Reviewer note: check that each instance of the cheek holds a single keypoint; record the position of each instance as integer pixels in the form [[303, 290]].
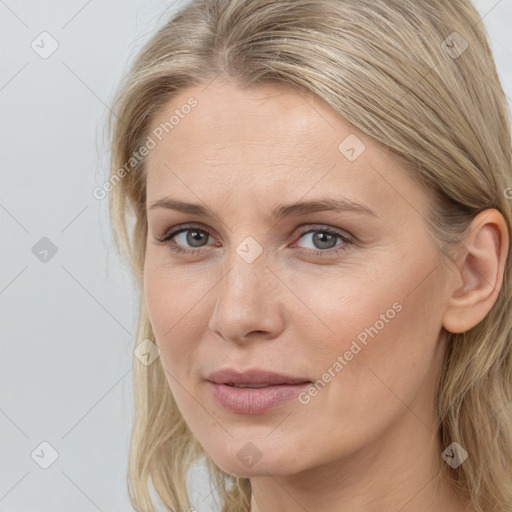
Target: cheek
[[172, 303], [174, 308], [342, 306], [384, 344]]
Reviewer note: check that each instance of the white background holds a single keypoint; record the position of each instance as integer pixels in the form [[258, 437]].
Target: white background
[[68, 324]]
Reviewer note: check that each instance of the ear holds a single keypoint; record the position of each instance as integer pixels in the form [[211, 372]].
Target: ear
[[477, 273]]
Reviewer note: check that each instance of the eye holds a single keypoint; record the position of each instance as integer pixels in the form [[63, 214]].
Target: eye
[[193, 236], [324, 240]]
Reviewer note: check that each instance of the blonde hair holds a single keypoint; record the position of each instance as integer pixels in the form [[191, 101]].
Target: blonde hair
[[397, 71]]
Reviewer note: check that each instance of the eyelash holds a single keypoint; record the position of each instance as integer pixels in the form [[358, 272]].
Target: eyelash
[[347, 241]]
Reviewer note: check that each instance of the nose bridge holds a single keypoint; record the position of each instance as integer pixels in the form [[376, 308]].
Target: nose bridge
[[248, 278], [244, 298]]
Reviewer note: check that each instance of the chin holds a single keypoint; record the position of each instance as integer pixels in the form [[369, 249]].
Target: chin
[[237, 469], [249, 461]]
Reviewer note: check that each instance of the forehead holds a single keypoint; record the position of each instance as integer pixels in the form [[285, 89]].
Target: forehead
[[261, 120], [264, 142]]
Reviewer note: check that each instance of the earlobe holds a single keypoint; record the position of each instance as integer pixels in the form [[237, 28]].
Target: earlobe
[[477, 277]]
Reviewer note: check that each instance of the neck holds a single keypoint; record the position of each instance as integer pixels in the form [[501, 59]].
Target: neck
[[400, 471]]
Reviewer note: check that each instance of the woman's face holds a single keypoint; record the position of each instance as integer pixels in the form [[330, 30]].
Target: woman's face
[[308, 257]]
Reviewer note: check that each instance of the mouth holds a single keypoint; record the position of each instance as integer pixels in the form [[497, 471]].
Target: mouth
[[254, 378], [254, 391], [252, 386]]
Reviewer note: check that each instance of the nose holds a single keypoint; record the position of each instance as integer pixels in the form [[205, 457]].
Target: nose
[[249, 302]]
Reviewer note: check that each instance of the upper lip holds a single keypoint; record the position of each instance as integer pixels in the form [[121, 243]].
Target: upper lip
[[253, 377]]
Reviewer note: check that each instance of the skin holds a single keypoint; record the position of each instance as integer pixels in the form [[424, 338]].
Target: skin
[[367, 441]]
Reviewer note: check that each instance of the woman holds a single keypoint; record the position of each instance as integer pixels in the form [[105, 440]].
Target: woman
[[320, 192]]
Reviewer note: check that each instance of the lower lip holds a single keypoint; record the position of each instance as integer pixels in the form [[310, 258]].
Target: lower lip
[[255, 400]]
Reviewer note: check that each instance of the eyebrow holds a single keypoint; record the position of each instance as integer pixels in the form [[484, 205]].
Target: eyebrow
[[282, 210]]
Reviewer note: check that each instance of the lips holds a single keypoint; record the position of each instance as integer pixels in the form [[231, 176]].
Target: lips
[[253, 378], [253, 391]]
